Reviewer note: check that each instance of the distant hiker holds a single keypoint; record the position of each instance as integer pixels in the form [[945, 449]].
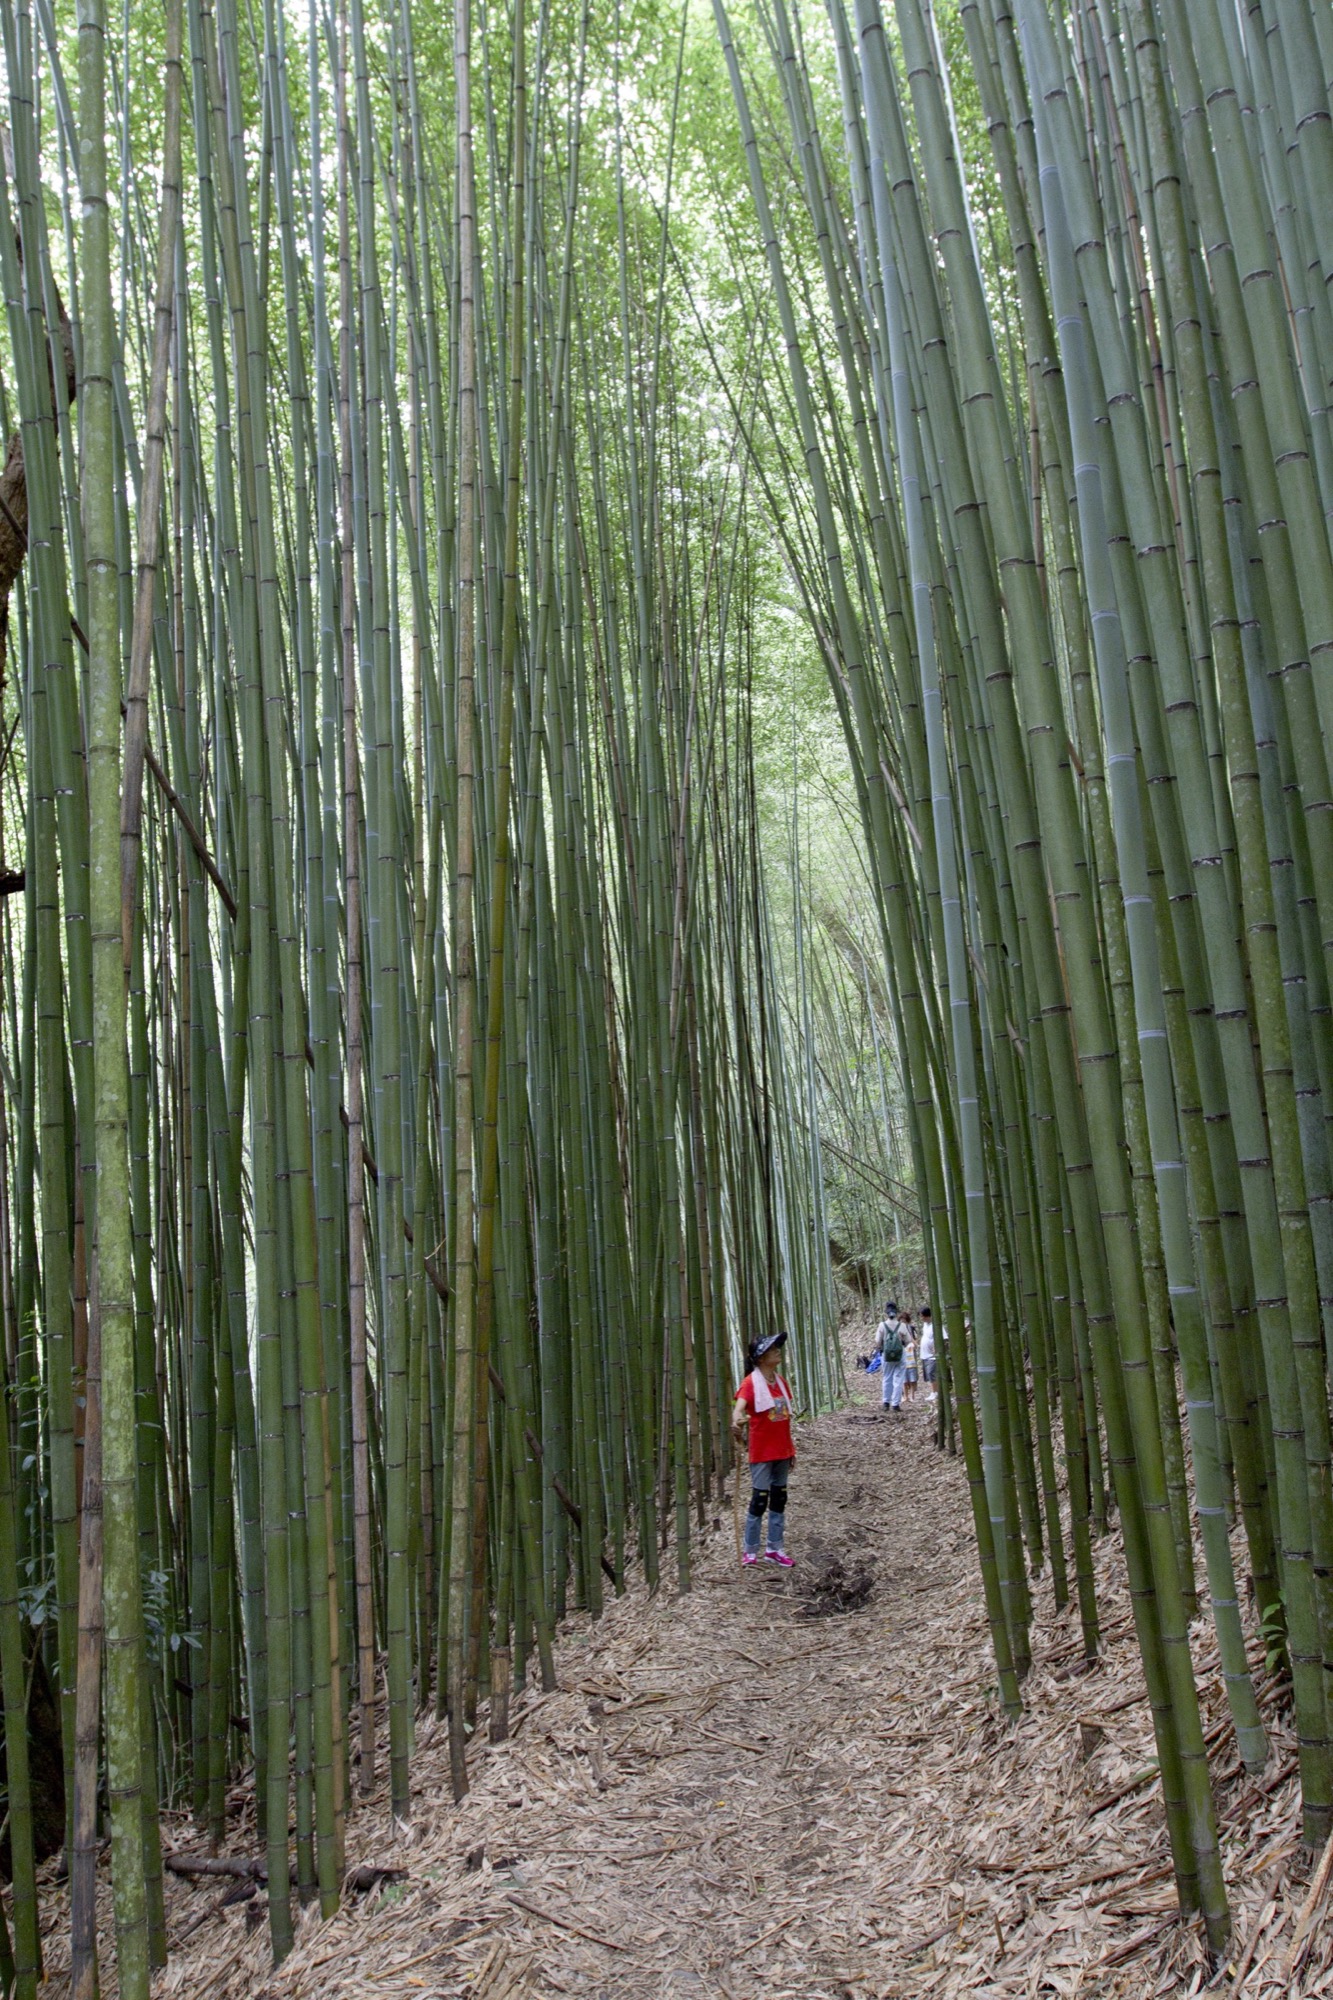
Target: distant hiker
[[764, 1402], [927, 1350], [909, 1364], [906, 1333], [889, 1346]]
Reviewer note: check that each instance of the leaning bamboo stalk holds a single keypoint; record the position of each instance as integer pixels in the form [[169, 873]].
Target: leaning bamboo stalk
[[112, 1281], [500, 842], [151, 486], [14, 1684], [958, 976], [356, 1226], [87, 1713], [463, 1302]]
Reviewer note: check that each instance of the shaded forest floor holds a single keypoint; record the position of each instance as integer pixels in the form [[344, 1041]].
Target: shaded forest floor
[[745, 1793]]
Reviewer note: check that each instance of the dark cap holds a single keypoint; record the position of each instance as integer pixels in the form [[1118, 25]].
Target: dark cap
[[767, 1341]]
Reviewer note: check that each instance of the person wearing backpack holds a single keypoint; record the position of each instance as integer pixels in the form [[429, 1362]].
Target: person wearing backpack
[[889, 1346]]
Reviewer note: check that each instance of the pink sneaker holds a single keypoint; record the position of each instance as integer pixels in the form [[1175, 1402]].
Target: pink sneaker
[[780, 1557], [748, 1561]]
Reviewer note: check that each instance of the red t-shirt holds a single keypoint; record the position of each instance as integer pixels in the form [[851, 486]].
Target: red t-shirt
[[770, 1430]]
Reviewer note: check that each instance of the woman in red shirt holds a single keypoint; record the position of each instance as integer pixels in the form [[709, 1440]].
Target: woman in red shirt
[[764, 1401]]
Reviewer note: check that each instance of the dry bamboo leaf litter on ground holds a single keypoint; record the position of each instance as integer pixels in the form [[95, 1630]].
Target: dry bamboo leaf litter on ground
[[853, 1817]]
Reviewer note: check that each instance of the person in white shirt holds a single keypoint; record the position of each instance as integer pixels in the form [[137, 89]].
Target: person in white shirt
[[926, 1348]]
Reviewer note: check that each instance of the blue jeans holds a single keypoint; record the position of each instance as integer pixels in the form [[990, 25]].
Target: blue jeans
[[895, 1374], [768, 1493]]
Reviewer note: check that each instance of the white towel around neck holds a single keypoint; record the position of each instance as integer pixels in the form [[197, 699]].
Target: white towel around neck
[[764, 1398]]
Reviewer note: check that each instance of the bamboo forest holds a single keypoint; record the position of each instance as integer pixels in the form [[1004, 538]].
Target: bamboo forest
[[666, 668]]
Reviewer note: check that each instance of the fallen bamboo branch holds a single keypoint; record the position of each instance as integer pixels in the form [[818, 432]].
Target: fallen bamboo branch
[[1132, 1785], [239, 1892], [253, 1868], [1252, 1945], [1300, 1941], [771, 1932], [565, 1923], [216, 1864]]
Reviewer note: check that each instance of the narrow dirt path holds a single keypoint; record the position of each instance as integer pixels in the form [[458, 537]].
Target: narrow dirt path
[[734, 1793]]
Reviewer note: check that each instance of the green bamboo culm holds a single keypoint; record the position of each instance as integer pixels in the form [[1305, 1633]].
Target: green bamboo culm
[[112, 1299]]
